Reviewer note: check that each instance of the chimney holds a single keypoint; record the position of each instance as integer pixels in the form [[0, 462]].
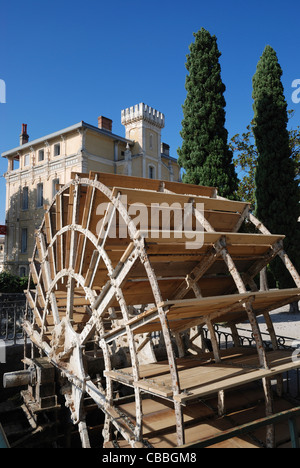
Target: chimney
[[24, 137], [104, 123], [165, 149]]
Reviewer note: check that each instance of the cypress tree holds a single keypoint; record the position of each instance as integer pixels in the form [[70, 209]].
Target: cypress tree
[[276, 193], [205, 154]]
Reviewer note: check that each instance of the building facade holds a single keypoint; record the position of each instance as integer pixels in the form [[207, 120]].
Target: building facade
[[37, 168], [2, 245]]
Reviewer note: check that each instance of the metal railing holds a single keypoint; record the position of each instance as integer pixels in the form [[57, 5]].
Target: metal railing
[[12, 309], [225, 339]]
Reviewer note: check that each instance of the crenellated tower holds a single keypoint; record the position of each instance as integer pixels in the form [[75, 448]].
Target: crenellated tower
[[143, 125]]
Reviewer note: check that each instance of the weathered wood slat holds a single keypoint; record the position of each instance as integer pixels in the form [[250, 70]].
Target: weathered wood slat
[[197, 381], [148, 197], [111, 180]]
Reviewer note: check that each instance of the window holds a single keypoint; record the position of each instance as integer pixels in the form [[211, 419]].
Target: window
[[24, 240], [26, 159], [25, 198], [39, 196], [151, 172], [41, 155], [55, 182], [23, 271], [57, 149]]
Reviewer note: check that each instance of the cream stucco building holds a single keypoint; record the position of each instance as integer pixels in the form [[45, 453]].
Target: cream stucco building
[[36, 168]]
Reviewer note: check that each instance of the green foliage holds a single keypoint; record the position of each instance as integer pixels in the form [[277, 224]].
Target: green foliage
[[205, 154], [10, 283], [245, 159], [294, 137], [277, 193]]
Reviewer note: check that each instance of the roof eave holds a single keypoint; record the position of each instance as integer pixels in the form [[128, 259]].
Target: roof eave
[[77, 126]]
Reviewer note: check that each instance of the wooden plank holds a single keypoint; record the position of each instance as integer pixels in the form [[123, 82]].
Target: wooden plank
[[156, 248], [161, 369], [69, 222], [207, 379], [152, 387], [226, 307], [48, 227], [224, 311], [100, 204], [87, 206], [112, 180], [36, 311], [206, 428], [179, 237], [79, 252], [245, 251], [33, 272], [59, 225], [226, 378], [156, 415], [173, 211], [77, 301], [91, 267], [259, 296], [222, 221], [148, 196], [289, 414], [195, 304], [76, 317], [237, 238], [159, 415]]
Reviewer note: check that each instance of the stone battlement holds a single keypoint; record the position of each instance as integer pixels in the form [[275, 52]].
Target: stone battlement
[[142, 112]]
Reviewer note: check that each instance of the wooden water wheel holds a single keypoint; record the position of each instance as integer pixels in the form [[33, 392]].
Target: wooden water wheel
[[122, 263]]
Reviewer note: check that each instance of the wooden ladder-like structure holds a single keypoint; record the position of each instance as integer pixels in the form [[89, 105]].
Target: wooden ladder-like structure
[[122, 262]]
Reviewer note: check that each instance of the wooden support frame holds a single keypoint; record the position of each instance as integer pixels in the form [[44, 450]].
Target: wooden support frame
[[72, 256], [282, 254]]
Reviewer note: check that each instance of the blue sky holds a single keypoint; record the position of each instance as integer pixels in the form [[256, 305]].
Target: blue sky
[[66, 61]]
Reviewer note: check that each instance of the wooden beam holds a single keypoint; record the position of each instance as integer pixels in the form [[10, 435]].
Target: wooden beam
[[251, 427]]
